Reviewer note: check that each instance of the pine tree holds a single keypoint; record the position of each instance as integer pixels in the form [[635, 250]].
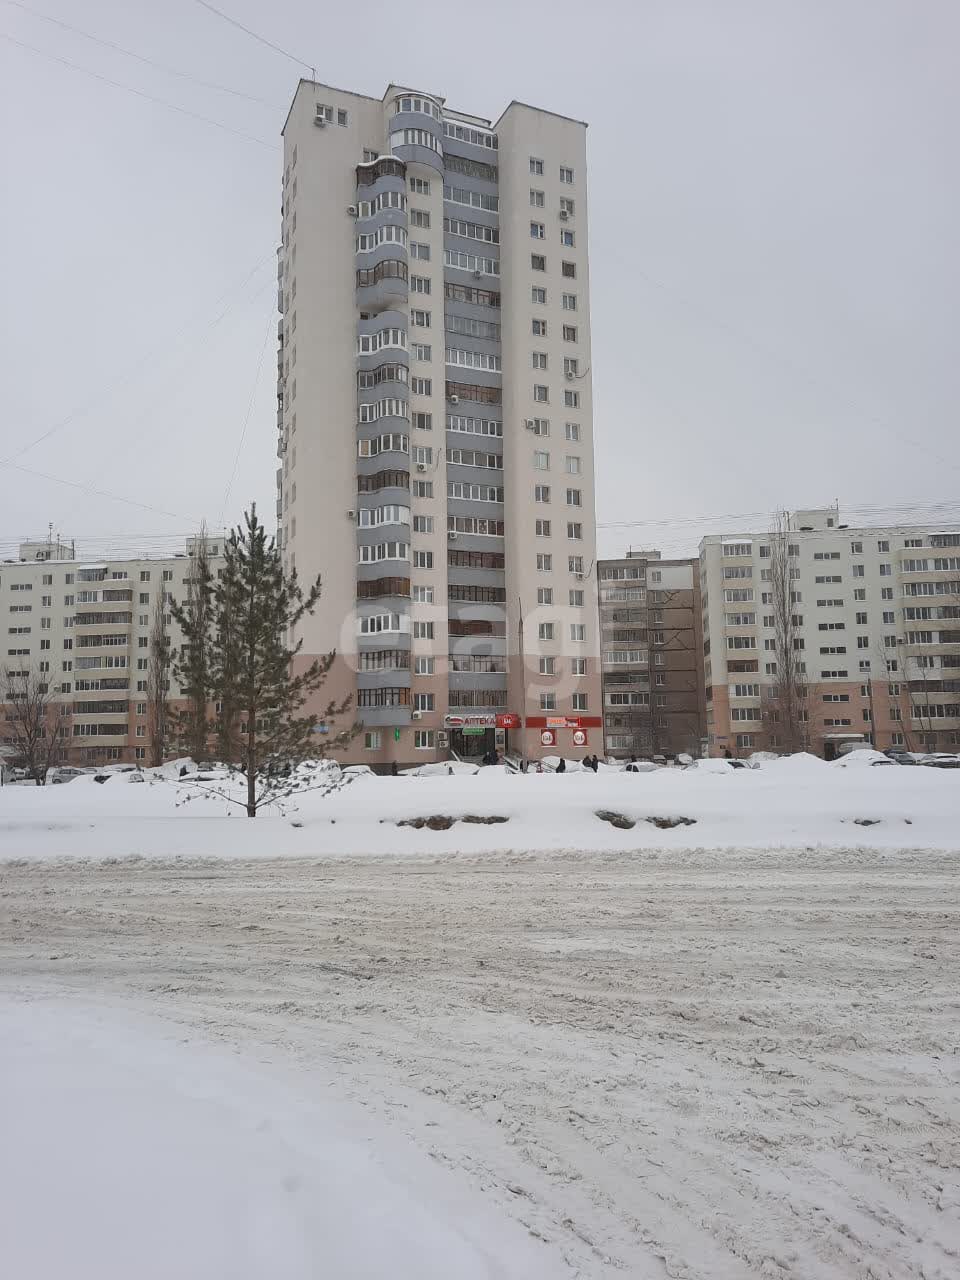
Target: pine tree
[[257, 605], [192, 665], [158, 680]]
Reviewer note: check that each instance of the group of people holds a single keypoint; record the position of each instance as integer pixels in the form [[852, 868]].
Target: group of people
[[588, 762]]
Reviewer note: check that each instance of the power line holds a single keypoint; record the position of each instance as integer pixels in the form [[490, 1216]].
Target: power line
[[129, 53], [679, 522], [262, 39], [149, 97], [99, 493]]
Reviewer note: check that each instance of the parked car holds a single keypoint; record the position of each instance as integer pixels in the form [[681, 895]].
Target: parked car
[[900, 757], [63, 773], [941, 760]]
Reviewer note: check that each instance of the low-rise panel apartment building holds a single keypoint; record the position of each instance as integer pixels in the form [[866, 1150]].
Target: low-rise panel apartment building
[[873, 629], [651, 641], [83, 627]]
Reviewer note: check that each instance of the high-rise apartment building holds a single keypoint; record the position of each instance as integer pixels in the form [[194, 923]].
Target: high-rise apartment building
[[82, 627], [651, 642], [435, 419], [869, 617]]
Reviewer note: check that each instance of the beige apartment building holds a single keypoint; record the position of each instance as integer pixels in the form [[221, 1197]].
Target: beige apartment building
[[434, 419], [874, 630], [83, 627], [651, 643]]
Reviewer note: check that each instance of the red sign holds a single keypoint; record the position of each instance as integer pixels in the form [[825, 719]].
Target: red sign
[[483, 720], [547, 738], [564, 722], [508, 720], [579, 737]]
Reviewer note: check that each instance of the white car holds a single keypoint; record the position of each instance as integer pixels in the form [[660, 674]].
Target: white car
[[63, 773]]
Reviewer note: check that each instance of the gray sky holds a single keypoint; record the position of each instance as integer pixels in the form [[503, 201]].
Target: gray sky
[[775, 274]]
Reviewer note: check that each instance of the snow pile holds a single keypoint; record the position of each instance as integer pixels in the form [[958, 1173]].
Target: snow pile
[[131, 1152], [793, 802]]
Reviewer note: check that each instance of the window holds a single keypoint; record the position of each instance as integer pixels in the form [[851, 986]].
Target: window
[[575, 565], [571, 399], [422, 421], [545, 562], [544, 595], [541, 493], [541, 460], [421, 386], [420, 319], [423, 524], [575, 530], [423, 631], [539, 328], [423, 488], [576, 599], [538, 262], [569, 333], [419, 250], [423, 701], [423, 559], [539, 359], [419, 284], [420, 218], [572, 432], [566, 206], [858, 571], [578, 632], [423, 739], [574, 498], [580, 702], [566, 175], [568, 269], [536, 166], [538, 231], [886, 570], [567, 238], [569, 302], [371, 741], [542, 528], [548, 702], [883, 545], [538, 295], [539, 426], [545, 631], [419, 186]]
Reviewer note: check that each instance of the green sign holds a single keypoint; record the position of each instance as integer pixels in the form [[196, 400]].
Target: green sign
[[474, 728], [396, 735]]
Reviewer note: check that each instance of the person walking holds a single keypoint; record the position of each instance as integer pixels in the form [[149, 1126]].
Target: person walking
[[562, 766], [394, 771]]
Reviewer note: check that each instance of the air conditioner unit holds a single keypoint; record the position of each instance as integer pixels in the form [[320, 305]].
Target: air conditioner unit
[[579, 576], [421, 466], [351, 515], [478, 275], [529, 424], [454, 399], [451, 535], [352, 210], [569, 375], [564, 215], [320, 122], [416, 715]]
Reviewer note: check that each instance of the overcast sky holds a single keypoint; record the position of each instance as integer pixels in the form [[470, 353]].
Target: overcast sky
[[774, 199]]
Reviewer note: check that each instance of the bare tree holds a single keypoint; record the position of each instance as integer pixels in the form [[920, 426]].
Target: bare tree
[[787, 709], [33, 721], [158, 681]]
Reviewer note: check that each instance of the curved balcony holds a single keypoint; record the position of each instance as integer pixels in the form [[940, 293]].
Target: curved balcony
[[383, 285], [374, 171]]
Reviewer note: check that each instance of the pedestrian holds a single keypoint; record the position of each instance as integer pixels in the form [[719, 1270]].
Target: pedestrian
[[595, 763], [562, 766], [727, 753], [394, 771]]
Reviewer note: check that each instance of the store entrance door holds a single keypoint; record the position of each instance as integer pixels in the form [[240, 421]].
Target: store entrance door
[[470, 745]]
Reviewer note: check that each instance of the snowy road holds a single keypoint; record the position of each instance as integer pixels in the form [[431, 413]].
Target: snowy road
[[709, 1066]]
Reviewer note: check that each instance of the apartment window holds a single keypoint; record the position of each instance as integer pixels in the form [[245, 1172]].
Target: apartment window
[[575, 564], [419, 284], [423, 739], [548, 702], [536, 166], [545, 631], [423, 488], [569, 333], [857, 571], [541, 393], [424, 666], [420, 319], [578, 632], [544, 559], [538, 231], [574, 498], [423, 630], [420, 218], [539, 359], [575, 530], [860, 593], [580, 702], [567, 239], [572, 432], [423, 524], [541, 493], [576, 599], [886, 570], [420, 251], [419, 186], [371, 741], [566, 175], [422, 421], [883, 545], [578, 666], [423, 559], [541, 460], [539, 426], [539, 329], [886, 593], [421, 386], [569, 302], [548, 666], [567, 206], [423, 701], [568, 269], [538, 262], [544, 594], [538, 295], [536, 198], [542, 528]]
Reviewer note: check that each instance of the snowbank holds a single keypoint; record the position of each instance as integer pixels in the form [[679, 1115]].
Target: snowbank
[[131, 1152], [793, 802]]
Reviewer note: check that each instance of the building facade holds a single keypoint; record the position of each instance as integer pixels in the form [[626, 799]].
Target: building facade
[[872, 621], [651, 642], [435, 419], [83, 628]]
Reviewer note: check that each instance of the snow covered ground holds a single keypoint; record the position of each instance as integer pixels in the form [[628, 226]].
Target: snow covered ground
[[710, 1064], [794, 802]]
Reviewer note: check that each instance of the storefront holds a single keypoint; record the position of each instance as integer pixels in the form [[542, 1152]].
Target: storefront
[[474, 736]]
